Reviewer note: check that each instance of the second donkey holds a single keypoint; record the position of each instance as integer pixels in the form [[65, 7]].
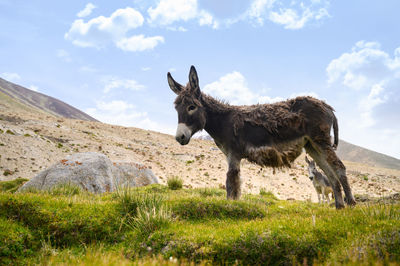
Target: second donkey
[[321, 183]]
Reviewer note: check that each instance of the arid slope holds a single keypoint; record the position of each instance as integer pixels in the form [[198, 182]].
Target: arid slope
[[30, 142]]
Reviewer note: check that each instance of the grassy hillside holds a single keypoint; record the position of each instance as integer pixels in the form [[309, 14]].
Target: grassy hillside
[[158, 225]]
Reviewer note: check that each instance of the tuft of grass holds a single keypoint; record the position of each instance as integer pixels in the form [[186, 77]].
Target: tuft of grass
[[59, 145], [131, 200], [175, 183], [145, 212], [67, 189], [27, 135], [10, 132], [211, 192], [148, 220], [13, 185], [268, 194]]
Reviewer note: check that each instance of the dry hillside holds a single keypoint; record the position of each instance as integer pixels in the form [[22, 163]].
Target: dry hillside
[[30, 142], [34, 134]]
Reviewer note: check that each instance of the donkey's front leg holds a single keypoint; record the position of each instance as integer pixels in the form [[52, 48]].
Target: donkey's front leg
[[233, 181]]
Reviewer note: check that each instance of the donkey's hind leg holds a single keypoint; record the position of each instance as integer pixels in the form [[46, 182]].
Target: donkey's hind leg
[[233, 181], [340, 170], [320, 159]]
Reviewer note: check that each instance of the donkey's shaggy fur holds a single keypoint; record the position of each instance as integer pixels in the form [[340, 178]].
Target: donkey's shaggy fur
[[266, 134]]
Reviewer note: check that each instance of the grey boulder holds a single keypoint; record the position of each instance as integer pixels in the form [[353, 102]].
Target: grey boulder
[[92, 172]]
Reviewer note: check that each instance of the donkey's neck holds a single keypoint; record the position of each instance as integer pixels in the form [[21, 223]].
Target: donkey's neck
[[217, 117]]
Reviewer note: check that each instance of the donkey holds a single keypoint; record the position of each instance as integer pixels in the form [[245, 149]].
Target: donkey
[[266, 134], [320, 182]]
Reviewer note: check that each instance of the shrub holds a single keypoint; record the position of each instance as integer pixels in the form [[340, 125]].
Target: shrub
[[175, 183], [7, 172]]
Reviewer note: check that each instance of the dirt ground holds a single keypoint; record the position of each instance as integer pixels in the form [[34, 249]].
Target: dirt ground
[[31, 142]]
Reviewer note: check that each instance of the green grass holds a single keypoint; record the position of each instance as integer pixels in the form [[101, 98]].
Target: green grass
[[155, 225], [12, 186]]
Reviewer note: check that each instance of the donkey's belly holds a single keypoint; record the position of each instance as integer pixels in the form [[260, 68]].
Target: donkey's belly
[[278, 155]]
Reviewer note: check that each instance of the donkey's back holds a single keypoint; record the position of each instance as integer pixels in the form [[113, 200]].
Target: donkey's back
[[274, 134]]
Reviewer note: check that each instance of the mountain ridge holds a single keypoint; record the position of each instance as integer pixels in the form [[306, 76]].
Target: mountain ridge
[[22, 98]]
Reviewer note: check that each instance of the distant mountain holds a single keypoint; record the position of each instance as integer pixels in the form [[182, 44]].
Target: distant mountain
[[16, 96], [350, 152]]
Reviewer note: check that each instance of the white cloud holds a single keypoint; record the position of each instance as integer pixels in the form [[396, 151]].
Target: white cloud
[[118, 83], [33, 88], [86, 11], [290, 18], [119, 112], [180, 28], [146, 68], [10, 76], [139, 43], [61, 53], [370, 79], [258, 9], [101, 31], [169, 11], [233, 88], [295, 15], [369, 71]]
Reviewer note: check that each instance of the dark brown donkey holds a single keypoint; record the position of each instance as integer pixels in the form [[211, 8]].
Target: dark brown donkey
[[265, 134]]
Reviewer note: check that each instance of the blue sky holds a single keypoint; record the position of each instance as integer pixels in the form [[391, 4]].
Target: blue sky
[[110, 58]]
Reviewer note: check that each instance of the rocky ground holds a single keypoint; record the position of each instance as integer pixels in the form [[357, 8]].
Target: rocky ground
[[31, 142]]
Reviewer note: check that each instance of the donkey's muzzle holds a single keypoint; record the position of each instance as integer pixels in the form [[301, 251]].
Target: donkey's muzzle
[[183, 134]]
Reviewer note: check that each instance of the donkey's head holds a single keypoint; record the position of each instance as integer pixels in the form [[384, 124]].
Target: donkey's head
[[191, 113], [312, 169]]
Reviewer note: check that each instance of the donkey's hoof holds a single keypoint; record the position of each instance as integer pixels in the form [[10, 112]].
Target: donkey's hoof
[[339, 206]]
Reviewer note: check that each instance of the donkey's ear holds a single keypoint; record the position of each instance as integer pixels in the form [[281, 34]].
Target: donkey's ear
[[175, 86], [194, 81]]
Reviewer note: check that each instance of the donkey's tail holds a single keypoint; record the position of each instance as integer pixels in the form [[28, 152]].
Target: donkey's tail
[[335, 132]]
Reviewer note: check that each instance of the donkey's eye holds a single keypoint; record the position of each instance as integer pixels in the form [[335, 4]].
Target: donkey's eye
[[191, 108]]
